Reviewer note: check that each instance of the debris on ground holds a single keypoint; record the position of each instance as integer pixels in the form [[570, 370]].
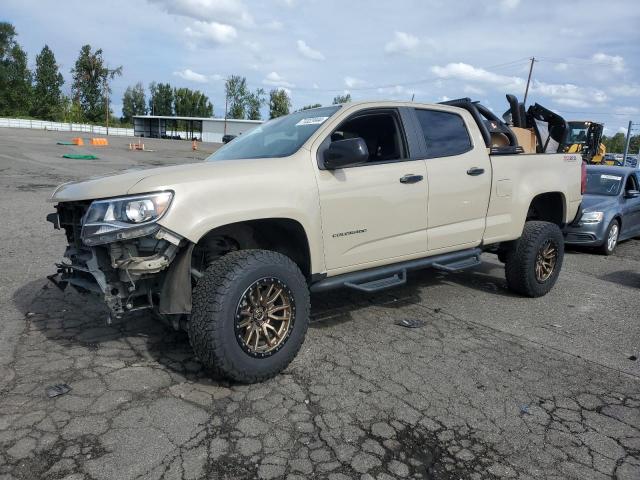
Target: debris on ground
[[75, 156], [411, 323], [57, 390]]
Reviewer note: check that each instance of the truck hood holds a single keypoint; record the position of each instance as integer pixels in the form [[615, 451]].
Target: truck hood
[[123, 183]]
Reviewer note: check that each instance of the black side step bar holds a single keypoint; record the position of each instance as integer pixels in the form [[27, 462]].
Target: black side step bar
[[387, 276]]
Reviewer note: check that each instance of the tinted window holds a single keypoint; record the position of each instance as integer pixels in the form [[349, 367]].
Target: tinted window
[[280, 137], [445, 133]]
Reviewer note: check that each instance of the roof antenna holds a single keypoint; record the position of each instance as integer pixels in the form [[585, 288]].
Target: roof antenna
[[413, 96]]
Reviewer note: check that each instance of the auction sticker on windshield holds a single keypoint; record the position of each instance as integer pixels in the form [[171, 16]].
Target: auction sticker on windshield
[[610, 177], [311, 121]]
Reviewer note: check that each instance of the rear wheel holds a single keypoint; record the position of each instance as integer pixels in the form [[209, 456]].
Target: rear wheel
[[534, 261], [250, 315], [611, 238]]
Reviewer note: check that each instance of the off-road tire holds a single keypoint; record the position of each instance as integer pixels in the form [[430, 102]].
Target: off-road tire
[[604, 248], [215, 300], [521, 259]]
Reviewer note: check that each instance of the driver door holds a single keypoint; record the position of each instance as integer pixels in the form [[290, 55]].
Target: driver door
[[631, 208], [375, 212]]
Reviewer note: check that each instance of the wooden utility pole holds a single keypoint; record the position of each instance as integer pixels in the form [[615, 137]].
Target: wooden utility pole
[[526, 92]]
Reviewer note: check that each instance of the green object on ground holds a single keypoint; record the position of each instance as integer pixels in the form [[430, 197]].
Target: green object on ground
[[66, 143], [79, 157]]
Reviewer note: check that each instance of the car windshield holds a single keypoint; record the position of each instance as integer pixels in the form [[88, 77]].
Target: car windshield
[[280, 137], [578, 134], [603, 184]]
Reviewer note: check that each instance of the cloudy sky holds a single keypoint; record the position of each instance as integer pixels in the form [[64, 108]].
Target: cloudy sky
[[588, 50]]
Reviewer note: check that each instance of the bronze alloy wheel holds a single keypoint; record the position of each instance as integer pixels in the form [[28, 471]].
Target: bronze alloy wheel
[[546, 260], [264, 317]]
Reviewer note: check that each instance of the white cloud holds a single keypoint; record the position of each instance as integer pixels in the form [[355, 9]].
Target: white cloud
[[628, 110], [352, 82], [191, 76], [561, 67], [274, 25], [626, 90], [616, 62], [221, 11], [444, 98], [470, 89], [569, 94], [212, 32], [309, 52], [469, 73], [563, 94], [276, 80], [402, 43], [509, 4]]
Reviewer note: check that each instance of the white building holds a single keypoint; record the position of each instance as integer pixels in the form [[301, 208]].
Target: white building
[[204, 129]]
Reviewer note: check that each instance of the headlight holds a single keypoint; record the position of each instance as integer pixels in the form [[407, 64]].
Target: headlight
[[592, 217], [124, 217]]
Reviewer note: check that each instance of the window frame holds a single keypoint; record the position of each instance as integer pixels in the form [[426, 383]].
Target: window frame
[[426, 155], [402, 123]]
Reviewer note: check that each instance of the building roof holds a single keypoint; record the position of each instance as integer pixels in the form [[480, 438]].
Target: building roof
[[202, 119]]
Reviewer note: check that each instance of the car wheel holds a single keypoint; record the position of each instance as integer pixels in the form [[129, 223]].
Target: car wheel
[[611, 238], [250, 315], [533, 263]]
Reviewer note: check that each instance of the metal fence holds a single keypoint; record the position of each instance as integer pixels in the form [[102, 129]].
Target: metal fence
[[64, 127]]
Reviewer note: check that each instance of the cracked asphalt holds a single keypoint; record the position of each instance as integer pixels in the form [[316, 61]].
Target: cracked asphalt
[[493, 385]]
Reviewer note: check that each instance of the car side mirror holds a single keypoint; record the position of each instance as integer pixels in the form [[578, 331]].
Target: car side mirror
[[346, 153], [631, 194]]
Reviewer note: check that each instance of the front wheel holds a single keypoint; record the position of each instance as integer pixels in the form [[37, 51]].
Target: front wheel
[[535, 259], [611, 238], [250, 315]]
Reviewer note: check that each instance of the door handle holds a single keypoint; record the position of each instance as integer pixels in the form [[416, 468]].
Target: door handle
[[475, 171], [411, 178]]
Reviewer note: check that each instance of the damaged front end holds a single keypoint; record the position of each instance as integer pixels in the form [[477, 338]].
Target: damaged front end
[[118, 251]]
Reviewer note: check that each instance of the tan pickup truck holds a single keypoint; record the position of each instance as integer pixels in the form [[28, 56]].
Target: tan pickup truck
[[346, 196]]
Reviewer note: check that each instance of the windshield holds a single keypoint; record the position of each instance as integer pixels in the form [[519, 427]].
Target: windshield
[[603, 184], [578, 133], [280, 137]]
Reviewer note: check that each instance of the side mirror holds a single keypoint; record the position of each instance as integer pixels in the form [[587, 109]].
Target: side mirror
[[345, 153], [631, 194]]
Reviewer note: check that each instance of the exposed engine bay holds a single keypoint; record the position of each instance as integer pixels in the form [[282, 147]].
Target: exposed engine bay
[[129, 274]]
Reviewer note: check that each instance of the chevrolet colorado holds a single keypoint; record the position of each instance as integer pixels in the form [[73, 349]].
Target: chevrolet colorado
[[351, 195]]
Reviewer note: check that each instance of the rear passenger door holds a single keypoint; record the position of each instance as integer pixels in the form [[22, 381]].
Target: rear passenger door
[[459, 178]]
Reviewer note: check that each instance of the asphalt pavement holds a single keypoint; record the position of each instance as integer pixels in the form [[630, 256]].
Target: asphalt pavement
[[492, 386]]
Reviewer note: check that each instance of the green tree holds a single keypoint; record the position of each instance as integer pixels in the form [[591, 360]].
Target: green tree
[[279, 103], [616, 143], [161, 100], [191, 103], [91, 83], [133, 102], [236, 92], [342, 98], [255, 101], [47, 96], [308, 107], [15, 76]]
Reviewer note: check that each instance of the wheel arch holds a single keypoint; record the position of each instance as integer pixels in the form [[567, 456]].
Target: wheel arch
[[279, 234], [548, 207]]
